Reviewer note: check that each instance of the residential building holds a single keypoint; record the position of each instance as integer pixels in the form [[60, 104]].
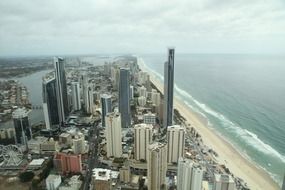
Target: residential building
[[106, 105], [175, 143], [53, 182], [124, 97], [223, 182], [142, 140]]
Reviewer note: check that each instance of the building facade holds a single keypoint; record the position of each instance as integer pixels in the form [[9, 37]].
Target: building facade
[[149, 118], [53, 182], [175, 143], [106, 105], [114, 134], [50, 104], [23, 132], [157, 166], [142, 140], [124, 97], [61, 89], [189, 175], [75, 96], [168, 89], [67, 163], [223, 182]]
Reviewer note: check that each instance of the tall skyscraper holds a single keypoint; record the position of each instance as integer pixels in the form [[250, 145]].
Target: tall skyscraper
[[156, 166], [61, 89], [175, 143], [189, 175], [22, 126], [114, 134], [85, 84], [50, 106], [90, 100], [142, 139], [106, 104], [168, 89], [124, 97], [75, 94]]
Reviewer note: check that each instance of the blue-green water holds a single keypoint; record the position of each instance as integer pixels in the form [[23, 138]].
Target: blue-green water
[[242, 96]]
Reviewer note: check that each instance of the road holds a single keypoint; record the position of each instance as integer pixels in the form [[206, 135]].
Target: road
[[93, 155]]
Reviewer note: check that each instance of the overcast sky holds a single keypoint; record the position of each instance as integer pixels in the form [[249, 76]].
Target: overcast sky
[[39, 27]]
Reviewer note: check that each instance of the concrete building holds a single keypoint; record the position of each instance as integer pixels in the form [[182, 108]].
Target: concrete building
[[113, 134], [67, 163], [189, 175], [175, 143], [157, 166], [74, 183], [78, 145], [142, 101], [49, 146], [223, 182], [75, 94], [65, 138], [50, 105], [168, 89], [155, 97], [61, 90], [53, 182], [106, 105], [101, 179], [22, 126], [149, 118], [124, 97], [142, 140], [131, 92], [142, 91], [90, 100], [125, 174]]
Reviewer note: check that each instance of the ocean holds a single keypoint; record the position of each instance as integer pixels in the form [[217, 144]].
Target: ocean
[[241, 96]]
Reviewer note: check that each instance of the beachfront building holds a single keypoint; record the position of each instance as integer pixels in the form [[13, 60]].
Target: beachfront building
[[50, 108], [61, 89], [175, 143], [124, 97], [113, 134], [156, 166], [75, 96], [23, 131], [142, 139], [223, 182], [53, 182], [155, 97], [168, 89], [189, 175], [106, 105]]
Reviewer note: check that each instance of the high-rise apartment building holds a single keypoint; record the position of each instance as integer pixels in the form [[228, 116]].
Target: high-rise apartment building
[[124, 97], [50, 105], [22, 126], [75, 95], [156, 166], [189, 175], [113, 134], [175, 143], [106, 105], [168, 89], [223, 182], [142, 138], [61, 89]]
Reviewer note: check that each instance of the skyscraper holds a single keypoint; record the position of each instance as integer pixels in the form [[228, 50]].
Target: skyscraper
[[113, 134], [124, 97], [76, 102], [175, 143], [156, 166], [50, 108], [189, 175], [106, 104], [168, 89], [22, 126], [61, 89], [142, 139]]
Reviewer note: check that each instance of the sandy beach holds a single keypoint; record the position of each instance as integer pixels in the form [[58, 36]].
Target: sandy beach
[[256, 178]]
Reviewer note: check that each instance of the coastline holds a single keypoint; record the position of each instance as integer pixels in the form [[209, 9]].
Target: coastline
[[255, 177]]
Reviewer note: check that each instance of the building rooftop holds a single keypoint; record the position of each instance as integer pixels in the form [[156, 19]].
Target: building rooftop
[[224, 178], [37, 162], [20, 113]]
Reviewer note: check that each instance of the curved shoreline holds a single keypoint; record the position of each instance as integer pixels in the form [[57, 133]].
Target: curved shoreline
[[242, 167]]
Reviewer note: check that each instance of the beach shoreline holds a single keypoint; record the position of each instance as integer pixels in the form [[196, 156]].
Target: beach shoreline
[[241, 167]]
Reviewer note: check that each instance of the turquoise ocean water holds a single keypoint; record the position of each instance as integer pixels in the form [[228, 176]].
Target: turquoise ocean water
[[242, 97]]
